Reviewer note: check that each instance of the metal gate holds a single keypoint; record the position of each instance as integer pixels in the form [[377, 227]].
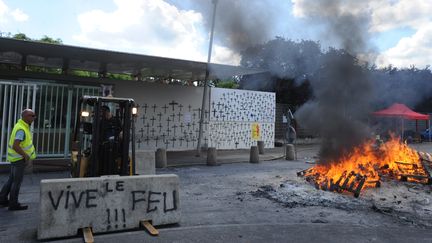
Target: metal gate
[[56, 106], [14, 97]]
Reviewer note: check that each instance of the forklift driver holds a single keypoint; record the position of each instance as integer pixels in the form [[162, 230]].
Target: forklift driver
[[111, 126], [111, 142]]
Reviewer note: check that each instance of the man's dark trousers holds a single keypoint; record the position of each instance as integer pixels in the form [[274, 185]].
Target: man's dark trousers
[[13, 184]]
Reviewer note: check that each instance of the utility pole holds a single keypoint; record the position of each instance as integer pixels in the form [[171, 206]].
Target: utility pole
[[200, 133]]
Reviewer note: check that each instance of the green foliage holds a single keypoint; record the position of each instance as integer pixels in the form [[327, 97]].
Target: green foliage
[[47, 39], [44, 39], [227, 84], [21, 36], [84, 73], [120, 76]]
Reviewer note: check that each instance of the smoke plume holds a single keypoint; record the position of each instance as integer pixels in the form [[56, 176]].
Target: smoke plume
[[241, 23], [341, 89]]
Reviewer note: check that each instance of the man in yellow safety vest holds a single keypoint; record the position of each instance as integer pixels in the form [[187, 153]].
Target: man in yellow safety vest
[[20, 152]]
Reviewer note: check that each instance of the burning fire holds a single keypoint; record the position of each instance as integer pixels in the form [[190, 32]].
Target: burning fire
[[367, 165]]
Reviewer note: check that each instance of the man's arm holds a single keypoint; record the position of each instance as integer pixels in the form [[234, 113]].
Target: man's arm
[[16, 146]]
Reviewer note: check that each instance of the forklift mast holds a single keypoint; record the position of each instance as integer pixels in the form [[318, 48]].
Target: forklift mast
[[101, 142]]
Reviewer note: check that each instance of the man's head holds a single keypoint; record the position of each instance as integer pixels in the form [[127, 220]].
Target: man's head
[[106, 112], [28, 116]]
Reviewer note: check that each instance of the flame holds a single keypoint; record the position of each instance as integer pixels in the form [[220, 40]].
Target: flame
[[370, 162]]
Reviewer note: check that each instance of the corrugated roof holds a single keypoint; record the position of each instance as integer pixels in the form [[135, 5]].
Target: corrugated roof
[[67, 57]]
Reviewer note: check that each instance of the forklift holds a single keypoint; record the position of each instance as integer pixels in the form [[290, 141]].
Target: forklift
[[103, 142]]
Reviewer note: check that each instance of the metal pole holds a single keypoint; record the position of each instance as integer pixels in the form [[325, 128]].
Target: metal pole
[[198, 152], [132, 165]]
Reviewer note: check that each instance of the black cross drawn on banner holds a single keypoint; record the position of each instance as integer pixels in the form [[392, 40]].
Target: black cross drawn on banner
[[154, 108], [166, 144], [218, 105], [168, 121], [143, 118], [153, 132], [147, 126], [159, 115], [181, 141], [199, 112], [179, 116], [168, 131], [190, 107], [181, 127], [175, 127], [145, 107], [156, 140], [180, 106], [147, 139], [173, 103], [160, 127], [173, 141], [142, 132], [153, 119], [173, 116], [165, 107]]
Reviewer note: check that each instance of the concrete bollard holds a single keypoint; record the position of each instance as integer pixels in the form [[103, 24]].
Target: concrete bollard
[[211, 156], [289, 152], [254, 155], [161, 158], [145, 162], [260, 147]]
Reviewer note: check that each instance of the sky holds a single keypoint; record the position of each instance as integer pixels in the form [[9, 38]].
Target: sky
[[396, 32]]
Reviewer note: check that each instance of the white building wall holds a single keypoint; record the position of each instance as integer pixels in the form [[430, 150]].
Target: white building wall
[[169, 116], [234, 113]]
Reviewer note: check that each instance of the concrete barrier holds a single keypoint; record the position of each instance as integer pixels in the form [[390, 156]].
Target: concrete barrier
[[254, 156], [145, 162], [211, 156], [161, 158], [108, 203]]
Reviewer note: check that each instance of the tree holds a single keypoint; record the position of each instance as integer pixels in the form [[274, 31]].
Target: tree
[[227, 84], [21, 36], [297, 70], [47, 39]]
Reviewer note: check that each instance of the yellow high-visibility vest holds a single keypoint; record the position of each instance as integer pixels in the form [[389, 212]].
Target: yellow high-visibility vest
[[26, 145]]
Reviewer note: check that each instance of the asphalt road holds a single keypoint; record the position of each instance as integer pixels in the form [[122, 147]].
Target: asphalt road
[[218, 205]]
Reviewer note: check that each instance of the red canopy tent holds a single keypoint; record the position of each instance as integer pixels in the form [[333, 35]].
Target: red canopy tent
[[401, 111]]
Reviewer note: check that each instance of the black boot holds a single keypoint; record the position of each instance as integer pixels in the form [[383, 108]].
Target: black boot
[[4, 203], [17, 207]]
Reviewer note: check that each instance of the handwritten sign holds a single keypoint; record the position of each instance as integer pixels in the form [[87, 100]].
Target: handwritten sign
[[107, 203], [255, 130]]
